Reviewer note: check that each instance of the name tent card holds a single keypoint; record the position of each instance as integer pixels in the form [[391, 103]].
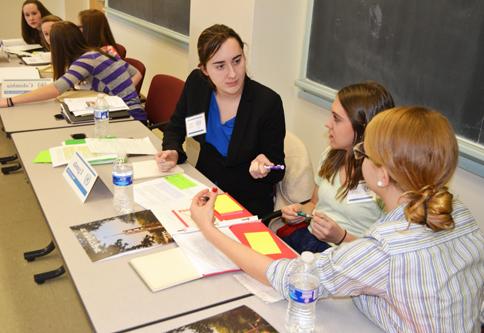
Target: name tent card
[[14, 87], [80, 176]]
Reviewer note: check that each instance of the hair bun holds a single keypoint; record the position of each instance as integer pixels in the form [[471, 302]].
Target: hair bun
[[430, 206]]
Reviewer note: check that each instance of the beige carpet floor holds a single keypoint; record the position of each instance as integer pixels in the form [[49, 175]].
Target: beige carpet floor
[[24, 305]]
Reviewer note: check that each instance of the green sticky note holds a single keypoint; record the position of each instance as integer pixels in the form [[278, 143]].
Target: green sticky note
[[75, 141], [43, 157], [180, 181], [262, 242]]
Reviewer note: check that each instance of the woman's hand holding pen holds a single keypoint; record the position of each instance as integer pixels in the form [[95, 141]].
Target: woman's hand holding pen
[[326, 229], [258, 166], [291, 214], [201, 209], [166, 160]]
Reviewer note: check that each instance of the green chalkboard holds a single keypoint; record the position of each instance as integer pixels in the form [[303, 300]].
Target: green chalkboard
[[170, 14], [425, 52]]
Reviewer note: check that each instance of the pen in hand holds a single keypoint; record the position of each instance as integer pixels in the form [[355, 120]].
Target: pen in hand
[[275, 167], [303, 214]]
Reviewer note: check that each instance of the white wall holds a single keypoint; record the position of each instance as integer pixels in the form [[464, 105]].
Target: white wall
[[161, 55]]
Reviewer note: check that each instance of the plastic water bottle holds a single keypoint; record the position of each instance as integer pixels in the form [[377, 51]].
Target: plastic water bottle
[[303, 294], [101, 117], [123, 200]]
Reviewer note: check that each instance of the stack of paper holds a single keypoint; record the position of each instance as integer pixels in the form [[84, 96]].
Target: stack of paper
[[19, 73], [37, 58], [195, 258], [142, 146], [150, 169], [61, 155], [85, 105], [18, 46]]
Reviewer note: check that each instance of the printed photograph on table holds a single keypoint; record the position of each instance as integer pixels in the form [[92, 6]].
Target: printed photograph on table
[[122, 234], [239, 320]]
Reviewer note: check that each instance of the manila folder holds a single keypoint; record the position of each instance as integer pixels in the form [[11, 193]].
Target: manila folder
[[165, 269]]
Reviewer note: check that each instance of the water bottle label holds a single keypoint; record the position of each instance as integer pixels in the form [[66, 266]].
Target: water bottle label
[[303, 296], [122, 180], [101, 114]]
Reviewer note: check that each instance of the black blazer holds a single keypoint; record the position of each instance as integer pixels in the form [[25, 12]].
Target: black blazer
[[259, 129]]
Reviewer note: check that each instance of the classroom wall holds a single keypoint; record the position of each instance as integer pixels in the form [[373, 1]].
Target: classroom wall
[[161, 55], [274, 33]]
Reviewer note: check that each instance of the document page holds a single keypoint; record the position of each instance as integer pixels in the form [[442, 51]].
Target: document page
[[23, 73], [205, 257], [161, 193], [142, 146], [150, 169], [61, 155]]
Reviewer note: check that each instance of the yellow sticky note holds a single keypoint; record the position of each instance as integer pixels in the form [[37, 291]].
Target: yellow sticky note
[[225, 204], [262, 242]]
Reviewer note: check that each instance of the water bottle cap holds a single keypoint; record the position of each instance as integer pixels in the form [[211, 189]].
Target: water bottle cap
[[307, 257]]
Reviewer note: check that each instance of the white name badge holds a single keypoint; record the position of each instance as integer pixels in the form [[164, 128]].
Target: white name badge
[[13, 87], [360, 194], [196, 125], [80, 176]]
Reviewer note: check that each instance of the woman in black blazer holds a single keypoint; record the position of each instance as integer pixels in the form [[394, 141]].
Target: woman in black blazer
[[244, 121]]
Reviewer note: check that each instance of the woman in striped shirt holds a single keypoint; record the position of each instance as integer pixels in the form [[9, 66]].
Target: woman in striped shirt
[[418, 269], [74, 62], [95, 28]]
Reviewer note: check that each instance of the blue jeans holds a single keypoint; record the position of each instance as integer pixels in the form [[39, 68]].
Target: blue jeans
[[302, 240]]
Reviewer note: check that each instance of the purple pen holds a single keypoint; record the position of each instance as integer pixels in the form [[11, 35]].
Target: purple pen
[[275, 167]]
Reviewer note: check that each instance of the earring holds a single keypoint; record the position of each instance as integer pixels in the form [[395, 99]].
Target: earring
[[379, 183]]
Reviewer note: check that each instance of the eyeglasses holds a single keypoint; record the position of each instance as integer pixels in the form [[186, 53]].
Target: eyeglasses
[[359, 151]]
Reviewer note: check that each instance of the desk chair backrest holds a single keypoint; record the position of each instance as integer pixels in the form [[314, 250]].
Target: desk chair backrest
[[121, 50], [163, 95], [298, 182], [141, 68]]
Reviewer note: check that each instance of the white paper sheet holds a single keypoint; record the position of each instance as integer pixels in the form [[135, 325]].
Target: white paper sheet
[[84, 105], [22, 73], [205, 257], [142, 146], [150, 169], [61, 155], [161, 194]]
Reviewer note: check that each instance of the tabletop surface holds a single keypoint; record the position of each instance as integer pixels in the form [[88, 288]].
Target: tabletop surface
[[114, 296]]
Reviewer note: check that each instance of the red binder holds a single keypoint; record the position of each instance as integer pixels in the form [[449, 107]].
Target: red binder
[[241, 230]]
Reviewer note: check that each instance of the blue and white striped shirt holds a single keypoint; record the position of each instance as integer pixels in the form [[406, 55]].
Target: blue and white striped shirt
[[104, 74], [406, 278]]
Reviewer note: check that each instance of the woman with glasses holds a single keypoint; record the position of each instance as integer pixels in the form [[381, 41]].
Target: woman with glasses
[[342, 208], [420, 268]]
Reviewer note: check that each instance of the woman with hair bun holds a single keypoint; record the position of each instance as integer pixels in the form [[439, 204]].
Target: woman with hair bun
[[420, 268]]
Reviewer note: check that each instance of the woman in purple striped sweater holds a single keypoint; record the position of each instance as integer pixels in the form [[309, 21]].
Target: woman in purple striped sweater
[[75, 62]]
